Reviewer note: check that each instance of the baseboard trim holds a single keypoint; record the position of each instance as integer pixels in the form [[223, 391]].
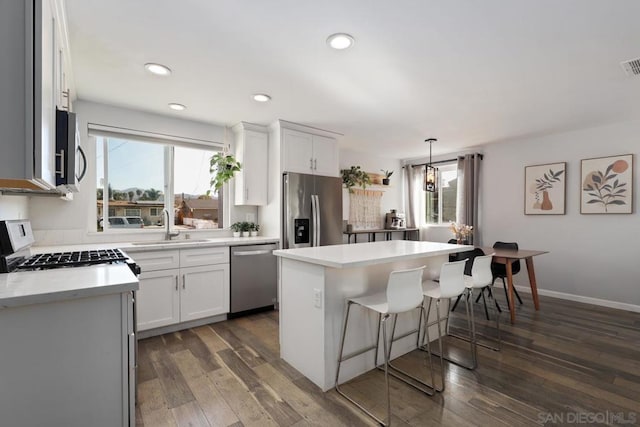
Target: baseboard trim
[[580, 298], [180, 326]]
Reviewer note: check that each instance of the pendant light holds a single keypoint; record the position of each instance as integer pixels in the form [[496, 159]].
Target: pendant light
[[431, 173]]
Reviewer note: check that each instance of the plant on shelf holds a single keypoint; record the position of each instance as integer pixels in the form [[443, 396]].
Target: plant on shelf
[[253, 229], [387, 175], [222, 166], [355, 176]]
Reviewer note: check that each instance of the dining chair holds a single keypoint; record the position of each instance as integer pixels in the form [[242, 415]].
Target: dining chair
[[500, 270], [403, 294]]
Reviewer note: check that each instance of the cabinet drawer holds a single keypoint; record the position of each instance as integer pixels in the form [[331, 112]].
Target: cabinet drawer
[[204, 256], [157, 260]]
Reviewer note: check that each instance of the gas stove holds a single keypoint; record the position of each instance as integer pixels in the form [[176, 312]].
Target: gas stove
[[16, 238]]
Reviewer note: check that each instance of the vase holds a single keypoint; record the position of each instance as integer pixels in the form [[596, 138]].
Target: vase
[[236, 234], [254, 234], [245, 234], [385, 181], [546, 202]]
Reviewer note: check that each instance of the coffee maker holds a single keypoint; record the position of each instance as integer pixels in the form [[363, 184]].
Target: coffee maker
[[394, 220]]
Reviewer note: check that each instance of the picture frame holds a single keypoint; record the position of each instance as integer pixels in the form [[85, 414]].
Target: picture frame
[[606, 185], [545, 188]]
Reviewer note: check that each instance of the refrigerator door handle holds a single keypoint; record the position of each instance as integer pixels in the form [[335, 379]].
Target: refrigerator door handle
[[314, 220], [318, 226]]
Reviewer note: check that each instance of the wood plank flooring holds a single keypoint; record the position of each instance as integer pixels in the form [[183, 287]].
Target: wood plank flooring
[[569, 363]]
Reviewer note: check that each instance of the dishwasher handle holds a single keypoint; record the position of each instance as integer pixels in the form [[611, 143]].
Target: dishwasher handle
[[249, 253]]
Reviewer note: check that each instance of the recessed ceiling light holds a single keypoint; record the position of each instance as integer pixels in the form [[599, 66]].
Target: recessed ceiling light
[[340, 41], [157, 69], [177, 107], [261, 97]]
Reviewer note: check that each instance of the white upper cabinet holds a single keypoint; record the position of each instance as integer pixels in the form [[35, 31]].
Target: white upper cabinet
[[309, 153], [252, 149], [325, 156], [30, 87]]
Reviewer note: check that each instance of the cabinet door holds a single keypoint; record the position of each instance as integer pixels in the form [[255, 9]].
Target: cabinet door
[[158, 299], [44, 81], [297, 151], [251, 182], [325, 156], [205, 291]]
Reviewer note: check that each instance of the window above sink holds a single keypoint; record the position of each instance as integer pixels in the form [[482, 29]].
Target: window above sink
[[138, 179]]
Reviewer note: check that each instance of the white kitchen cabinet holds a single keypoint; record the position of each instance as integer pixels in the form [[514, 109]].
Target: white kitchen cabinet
[[67, 363], [32, 38], [325, 156], [309, 153], [252, 147], [205, 291], [158, 299], [181, 285]]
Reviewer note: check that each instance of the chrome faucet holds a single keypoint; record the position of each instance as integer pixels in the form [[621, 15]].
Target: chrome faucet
[[168, 234]]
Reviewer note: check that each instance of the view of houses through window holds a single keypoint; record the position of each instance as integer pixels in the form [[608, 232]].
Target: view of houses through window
[[143, 179], [441, 204]]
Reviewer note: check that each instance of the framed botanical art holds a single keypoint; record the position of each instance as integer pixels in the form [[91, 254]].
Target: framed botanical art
[[606, 185], [545, 189]]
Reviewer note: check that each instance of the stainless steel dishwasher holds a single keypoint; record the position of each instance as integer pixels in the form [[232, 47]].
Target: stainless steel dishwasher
[[253, 277]]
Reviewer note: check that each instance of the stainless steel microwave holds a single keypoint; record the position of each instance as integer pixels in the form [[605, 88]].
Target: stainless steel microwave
[[71, 162]]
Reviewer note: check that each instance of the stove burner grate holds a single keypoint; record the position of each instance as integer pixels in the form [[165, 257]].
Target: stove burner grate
[[72, 259]]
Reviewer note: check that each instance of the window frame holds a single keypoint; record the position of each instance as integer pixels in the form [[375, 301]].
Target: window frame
[[169, 181], [440, 196]]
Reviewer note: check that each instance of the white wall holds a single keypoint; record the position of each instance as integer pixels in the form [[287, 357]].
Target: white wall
[[65, 222], [14, 207], [593, 256], [392, 198]]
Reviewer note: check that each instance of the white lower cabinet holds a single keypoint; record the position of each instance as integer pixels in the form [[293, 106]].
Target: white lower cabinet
[[158, 300], [199, 288], [204, 292]]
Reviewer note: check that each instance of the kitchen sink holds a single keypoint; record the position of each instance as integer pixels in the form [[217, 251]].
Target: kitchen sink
[[165, 242]]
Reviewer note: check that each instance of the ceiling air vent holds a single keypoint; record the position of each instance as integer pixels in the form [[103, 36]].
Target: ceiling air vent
[[631, 67]]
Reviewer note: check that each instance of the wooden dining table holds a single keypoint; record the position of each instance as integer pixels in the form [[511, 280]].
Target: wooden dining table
[[508, 257]]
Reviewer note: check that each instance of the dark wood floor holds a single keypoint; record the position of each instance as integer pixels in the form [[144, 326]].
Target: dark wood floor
[[569, 363]]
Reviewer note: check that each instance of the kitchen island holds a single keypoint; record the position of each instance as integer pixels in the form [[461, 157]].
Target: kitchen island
[[67, 356], [314, 283]]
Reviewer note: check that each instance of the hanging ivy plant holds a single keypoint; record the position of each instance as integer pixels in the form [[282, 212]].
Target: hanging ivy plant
[[355, 176], [222, 167]]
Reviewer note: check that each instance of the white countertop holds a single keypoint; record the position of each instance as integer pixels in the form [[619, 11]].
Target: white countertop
[[141, 246], [45, 286], [363, 254]]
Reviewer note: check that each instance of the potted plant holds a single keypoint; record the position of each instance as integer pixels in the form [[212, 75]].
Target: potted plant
[[387, 174], [237, 228], [245, 228], [254, 229], [222, 167], [355, 176]]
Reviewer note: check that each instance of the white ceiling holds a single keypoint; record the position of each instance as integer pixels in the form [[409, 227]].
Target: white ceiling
[[466, 72]]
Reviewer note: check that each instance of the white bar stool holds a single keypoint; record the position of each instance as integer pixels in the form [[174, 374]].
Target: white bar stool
[[451, 284], [403, 294], [481, 277]]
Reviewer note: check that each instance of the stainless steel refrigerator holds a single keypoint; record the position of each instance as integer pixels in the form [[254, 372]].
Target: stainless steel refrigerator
[[312, 210]]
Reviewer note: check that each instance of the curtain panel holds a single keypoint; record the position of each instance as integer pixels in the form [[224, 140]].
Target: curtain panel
[[468, 193]]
